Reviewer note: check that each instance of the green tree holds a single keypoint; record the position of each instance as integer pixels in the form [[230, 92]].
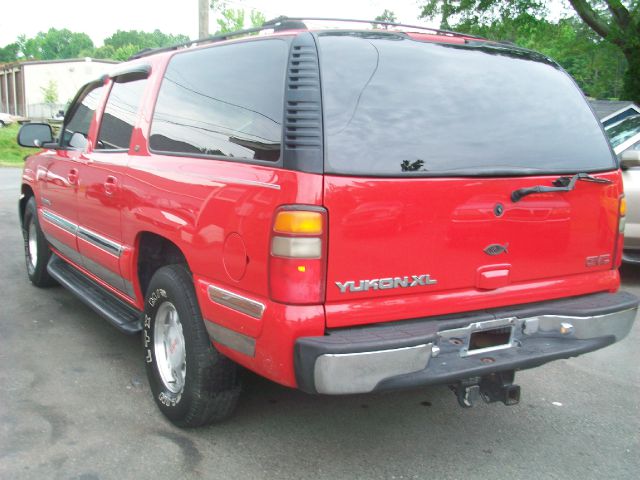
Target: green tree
[[60, 44], [9, 53], [28, 48], [479, 12], [53, 44], [230, 19], [615, 21], [619, 23], [257, 18], [104, 52], [140, 40], [386, 16], [50, 94]]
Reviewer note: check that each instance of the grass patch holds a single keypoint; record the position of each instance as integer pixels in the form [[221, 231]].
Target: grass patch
[[11, 154]]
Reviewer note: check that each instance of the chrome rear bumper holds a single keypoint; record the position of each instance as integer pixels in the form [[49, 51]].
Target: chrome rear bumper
[[441, 354]]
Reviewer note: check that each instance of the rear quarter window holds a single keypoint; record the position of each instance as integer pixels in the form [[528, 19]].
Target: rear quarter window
[[224, 101]]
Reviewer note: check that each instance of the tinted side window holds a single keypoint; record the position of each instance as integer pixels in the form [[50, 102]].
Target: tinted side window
[[224, 101], [120, 115], [77, 127]]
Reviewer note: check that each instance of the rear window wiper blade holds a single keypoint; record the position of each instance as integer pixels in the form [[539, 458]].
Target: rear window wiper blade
[[561, 184]]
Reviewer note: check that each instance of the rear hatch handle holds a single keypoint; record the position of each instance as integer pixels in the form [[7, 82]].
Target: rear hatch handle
[[561, 184]]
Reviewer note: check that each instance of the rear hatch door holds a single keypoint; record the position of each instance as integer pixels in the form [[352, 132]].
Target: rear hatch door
[[425, 145]]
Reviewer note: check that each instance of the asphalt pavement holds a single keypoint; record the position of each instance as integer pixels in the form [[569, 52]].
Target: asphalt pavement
[[75, 404]]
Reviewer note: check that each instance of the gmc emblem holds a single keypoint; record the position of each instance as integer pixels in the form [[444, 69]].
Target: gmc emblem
[[598, 260]]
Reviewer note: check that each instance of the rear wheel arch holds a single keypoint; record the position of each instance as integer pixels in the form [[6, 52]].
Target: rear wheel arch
[[26, 193], [154, 252]]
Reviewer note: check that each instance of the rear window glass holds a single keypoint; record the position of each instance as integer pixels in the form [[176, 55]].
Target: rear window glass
[[396, 106], [223, 101]]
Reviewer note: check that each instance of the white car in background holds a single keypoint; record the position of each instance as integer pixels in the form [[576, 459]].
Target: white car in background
[[625, 140], [5, 119]]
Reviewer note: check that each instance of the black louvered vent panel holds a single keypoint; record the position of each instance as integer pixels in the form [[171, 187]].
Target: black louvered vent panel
[[303, 124], [302, 146], [303, 68]]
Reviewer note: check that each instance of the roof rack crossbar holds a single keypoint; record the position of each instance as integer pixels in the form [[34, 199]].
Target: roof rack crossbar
[[274, 23]]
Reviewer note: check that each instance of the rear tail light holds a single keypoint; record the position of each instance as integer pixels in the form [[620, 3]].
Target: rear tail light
[[297, 263], [622, 220], [623, 214]]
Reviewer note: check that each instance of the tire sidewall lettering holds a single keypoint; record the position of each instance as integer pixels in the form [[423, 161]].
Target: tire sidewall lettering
[[157, 295], [167, 398]]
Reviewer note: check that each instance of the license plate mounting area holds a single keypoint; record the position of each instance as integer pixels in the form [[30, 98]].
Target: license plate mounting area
[[481, 337]]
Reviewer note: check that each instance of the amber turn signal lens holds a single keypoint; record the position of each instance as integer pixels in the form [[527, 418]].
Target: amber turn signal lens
[[292, 221], [623, 206]]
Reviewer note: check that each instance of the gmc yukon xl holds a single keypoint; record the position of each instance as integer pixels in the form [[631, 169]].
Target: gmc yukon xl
[[339, 210]]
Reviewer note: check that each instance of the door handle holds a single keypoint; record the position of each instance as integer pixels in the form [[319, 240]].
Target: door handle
[[72, 176], [110, 185]]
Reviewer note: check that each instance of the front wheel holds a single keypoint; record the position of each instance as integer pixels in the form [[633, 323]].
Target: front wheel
[[192, 383], [36, 247]]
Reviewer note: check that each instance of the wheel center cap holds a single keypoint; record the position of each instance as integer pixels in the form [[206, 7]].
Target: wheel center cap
[[172, 345]]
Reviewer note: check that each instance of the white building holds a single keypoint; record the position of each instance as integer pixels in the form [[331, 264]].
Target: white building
[[22, 84]]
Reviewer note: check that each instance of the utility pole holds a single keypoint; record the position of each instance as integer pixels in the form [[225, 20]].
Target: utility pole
[[203, 18]]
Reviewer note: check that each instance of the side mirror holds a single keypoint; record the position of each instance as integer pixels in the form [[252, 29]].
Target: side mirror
[[629, 159], [35, 135]]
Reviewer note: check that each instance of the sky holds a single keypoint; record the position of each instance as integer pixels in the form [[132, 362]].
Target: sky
[[100, 19]]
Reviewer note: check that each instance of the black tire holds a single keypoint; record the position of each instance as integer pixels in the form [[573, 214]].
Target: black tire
[[36, 267], [211, 385]]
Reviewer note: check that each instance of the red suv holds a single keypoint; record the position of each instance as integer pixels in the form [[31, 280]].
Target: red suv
[[339, 210]]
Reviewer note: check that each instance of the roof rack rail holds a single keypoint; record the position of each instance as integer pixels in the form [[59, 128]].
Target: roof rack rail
[[287, 23], [270, 25], [379, 22]]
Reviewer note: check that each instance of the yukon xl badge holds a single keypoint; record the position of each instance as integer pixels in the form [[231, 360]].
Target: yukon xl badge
[[385, 283], [496, 249]]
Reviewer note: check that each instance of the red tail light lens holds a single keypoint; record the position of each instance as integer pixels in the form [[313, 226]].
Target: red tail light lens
[[297, 264]]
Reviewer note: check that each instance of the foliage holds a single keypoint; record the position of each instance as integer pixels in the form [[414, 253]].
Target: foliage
[[11, 154], [155, 39], [122, 44], [479, 12], [50, 93], [230, 19], [386, 16], [53, 44], [9, 53], [617, 22], [256, 18], [61, 44], [596, 64]]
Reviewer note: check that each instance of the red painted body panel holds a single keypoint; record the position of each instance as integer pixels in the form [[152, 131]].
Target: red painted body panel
[[99, 208], [380, 228]]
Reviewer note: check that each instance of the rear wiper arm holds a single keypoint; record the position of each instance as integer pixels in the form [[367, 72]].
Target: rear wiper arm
[[561, 184]]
